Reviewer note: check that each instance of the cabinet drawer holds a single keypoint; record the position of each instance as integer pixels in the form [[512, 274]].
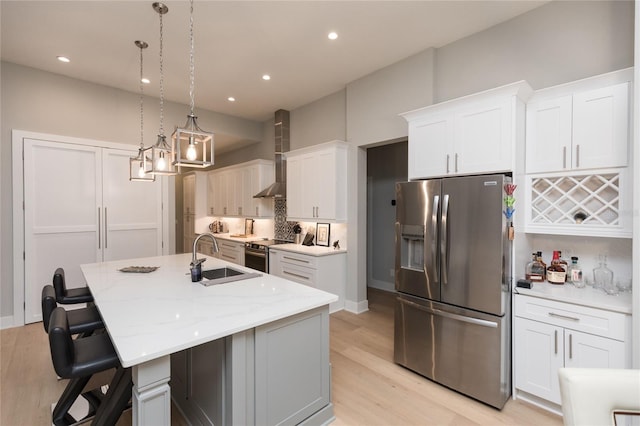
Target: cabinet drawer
[[297, 273], [590, 320], [299, 259]]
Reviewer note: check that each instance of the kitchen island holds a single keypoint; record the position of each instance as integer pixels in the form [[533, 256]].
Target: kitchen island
[[254, 351]]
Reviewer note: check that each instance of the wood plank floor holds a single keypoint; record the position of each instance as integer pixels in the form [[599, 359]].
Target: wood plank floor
[[367, 388]]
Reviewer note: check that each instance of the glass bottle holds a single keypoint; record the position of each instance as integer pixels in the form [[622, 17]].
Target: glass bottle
[[575, 273], [556, 273], [564, 264], [544, 265], [602, 276], [534, 271]]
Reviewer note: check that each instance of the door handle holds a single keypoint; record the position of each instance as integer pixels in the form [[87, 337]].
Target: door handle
[[99, 228], [570, 346], [105, 228], [456, 162], [434, 234], [578, 155], [564, 157], [556, 342], [447, 163], [444, 236], [451, 315]]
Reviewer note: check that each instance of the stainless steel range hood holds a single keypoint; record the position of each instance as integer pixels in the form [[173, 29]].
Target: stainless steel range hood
[[279, 188]]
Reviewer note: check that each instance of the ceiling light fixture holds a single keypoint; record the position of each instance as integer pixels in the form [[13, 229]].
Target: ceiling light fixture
[[145, 80], [161, 155], [332, 35], [266, 77], [136, 164], [192, 145], [231, 99], [63, 59]]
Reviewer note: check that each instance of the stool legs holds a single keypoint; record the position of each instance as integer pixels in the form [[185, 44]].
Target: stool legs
[[117, 400]]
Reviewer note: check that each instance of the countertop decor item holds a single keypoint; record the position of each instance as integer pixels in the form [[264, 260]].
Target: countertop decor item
[[323, 231], [192, 145], [139, 269]]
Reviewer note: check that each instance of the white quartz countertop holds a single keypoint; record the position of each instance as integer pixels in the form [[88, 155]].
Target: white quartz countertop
[[309, 250], [149, 315], [587, 296]]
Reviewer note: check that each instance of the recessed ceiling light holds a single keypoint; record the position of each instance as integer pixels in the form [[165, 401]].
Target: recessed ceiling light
[[333, 35], [63, 59], [145, 81], [231, 99], [266, 77]]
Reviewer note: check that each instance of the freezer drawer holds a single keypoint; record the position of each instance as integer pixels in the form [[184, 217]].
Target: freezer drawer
[[464, 350]]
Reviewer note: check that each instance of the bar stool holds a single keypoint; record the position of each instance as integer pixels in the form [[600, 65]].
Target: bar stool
[[69, 296], [78, 360], [83, 321]]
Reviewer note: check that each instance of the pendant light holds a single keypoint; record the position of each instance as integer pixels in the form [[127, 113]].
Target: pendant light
[[192, 145], [161, 155], [136, 164]]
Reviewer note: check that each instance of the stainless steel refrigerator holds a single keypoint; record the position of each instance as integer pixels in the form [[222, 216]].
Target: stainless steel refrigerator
[[453, 263]]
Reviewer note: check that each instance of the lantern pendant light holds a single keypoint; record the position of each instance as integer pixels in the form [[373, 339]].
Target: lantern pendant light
[[137, 164], [192, 145], [161, 156]]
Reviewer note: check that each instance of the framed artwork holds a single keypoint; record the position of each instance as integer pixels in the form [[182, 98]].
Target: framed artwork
[[323, 234]]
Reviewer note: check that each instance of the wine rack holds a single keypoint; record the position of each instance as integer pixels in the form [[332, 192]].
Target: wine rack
[[579, 204]]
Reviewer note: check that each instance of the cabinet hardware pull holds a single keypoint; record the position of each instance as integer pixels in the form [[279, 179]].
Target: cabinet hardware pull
[[228, 257], [105, 228], [99, 228], [571, 346], [564, 157], [296, 275], [450, 315], [556, 342], [447, 163], [293, 258], [578, 155], [456, 162], [553, 314], [257, 211]]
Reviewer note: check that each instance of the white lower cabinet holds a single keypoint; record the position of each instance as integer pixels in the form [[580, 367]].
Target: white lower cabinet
[[549, 335], [274, 374], [231, 251], [328, 273]]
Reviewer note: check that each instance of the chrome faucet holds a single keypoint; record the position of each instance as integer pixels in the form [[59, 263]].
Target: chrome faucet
[[196, 264]]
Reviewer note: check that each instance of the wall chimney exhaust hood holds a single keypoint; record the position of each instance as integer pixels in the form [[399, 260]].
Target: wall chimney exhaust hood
[[279, 188]]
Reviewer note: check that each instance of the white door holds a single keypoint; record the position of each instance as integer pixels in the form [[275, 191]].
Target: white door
[[548, 143], [132, 210], [589, 351], [430, 143], [61, 210], [80, 207]]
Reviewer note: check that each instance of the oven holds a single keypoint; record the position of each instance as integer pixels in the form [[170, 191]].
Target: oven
[[256, 256]]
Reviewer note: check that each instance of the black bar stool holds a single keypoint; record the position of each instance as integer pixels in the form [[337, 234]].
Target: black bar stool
[[69, 296], [82, 321], [78, 360]]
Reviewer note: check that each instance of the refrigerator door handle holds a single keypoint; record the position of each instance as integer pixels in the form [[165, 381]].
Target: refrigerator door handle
[[457, 317], [434, 232], [444, 235]]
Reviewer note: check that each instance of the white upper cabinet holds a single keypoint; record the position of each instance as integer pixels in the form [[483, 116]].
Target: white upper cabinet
[[230, 190], [587, 129], [317, 182], [473, 134]]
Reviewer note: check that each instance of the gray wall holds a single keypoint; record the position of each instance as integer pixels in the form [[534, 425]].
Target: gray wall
[[38, 101], [306, 127]]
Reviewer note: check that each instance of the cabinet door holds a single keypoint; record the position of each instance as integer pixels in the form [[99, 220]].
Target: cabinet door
[[430, 143], [188, 194], [548, 142], [601, 127], [207, 385], [588, 351], [295, 186], [538, 356], [483, 139], [324, 185], [220, 194], [211, 194]]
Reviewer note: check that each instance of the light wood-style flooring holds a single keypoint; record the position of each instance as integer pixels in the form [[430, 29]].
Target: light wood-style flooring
[[368, 388]]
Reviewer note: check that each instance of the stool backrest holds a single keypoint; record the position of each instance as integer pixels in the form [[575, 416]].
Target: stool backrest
[[61, 343], [48, 305], [59, 283]]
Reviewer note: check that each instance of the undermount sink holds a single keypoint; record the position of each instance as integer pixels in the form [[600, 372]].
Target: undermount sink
[[225, 275]]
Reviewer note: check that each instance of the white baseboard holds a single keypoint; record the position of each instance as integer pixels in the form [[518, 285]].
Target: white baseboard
[[356, 307], [6, 322]]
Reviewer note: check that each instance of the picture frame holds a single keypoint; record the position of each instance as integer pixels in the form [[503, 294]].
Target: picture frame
[[323, 234]]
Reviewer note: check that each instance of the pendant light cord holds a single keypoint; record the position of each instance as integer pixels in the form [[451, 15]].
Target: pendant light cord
[[141, 101], [191, 60], [161, 81]]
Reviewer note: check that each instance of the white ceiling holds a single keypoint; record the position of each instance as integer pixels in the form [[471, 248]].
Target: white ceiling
[[238, 41]]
